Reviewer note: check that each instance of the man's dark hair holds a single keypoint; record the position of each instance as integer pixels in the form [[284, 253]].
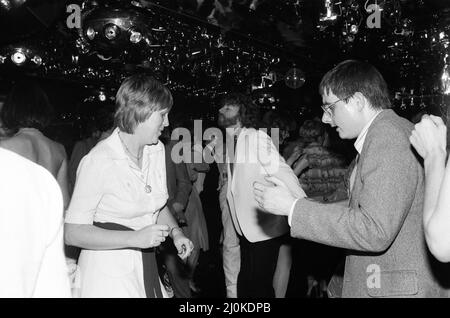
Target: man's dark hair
[[352, 76], [27, 106], [248, 111]]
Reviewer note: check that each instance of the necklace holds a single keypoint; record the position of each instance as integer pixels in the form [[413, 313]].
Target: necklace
[[128, 150], [147, 187]]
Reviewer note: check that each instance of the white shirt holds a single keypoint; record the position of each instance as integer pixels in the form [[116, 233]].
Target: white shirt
[[31, 231], [110, 187], [359, 143]]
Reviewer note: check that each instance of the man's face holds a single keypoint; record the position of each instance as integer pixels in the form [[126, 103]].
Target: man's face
[[228, 116], [343, 114]]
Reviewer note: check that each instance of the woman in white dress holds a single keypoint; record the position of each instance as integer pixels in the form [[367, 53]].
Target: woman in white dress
[[117, 214]]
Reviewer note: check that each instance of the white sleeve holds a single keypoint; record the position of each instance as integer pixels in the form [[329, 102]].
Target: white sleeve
[[88, 191], [31, 218], [291, 211], [53, 277]]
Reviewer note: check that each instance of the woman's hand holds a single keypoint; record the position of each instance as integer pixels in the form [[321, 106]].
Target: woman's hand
[[182, 243], [429, 137], [149, 236]]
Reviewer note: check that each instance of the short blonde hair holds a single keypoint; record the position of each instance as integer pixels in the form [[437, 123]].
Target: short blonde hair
[[137, 98]]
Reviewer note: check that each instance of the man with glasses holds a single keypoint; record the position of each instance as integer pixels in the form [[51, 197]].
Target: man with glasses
[[381, 227]]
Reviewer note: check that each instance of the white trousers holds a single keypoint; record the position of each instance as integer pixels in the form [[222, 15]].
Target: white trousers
[[231, 252]]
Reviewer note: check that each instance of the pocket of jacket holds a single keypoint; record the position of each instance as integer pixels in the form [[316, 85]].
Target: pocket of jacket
[[393, 283]]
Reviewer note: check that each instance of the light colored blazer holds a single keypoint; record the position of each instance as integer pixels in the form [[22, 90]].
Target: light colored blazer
[[381, 228], [256, 157]]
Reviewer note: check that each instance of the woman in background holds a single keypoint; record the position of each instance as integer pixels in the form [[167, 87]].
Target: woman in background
[[25, 114], [195, 228]]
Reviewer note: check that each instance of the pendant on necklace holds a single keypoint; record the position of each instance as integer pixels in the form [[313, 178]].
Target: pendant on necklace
[[148, 188]]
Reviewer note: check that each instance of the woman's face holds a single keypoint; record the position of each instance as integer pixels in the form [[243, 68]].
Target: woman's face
[[150, 130]]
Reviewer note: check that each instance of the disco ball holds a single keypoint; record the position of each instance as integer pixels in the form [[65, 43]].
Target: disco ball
[[295, 78]]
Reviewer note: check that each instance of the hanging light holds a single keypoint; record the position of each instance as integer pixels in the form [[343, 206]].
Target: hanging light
[[102, 96], [5, 4], [18, 57], [135, 36], [329, 15], [90, 33], [37, 60], [445, 78], [294, 78], [354, 29], [111, 31]]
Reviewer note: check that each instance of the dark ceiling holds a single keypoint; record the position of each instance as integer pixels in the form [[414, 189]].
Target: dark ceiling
[[206, 47]]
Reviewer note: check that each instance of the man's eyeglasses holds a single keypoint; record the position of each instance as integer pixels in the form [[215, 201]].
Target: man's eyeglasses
[[328, 108]]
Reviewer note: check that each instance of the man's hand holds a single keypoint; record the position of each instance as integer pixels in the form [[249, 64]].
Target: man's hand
[[276, 199]]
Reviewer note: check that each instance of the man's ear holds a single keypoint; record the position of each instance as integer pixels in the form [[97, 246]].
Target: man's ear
[[360, 101]]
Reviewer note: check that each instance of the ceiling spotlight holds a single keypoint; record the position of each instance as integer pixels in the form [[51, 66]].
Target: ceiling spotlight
[[354, 29], [135, 36], [18, 57], [111, 31], [445, 78], [5, 4], [90, 33], [330, 15], [102, 96], [37, 60], [75, 59], [2, 59]]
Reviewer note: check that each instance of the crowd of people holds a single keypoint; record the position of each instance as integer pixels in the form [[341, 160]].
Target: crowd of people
[[123, 217]]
